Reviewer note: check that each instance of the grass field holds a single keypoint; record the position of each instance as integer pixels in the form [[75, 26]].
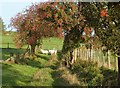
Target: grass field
[[39, 72], [43, 70], [23, 74], [48, 43]]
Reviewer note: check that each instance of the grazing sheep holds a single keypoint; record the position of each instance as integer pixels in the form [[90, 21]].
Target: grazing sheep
[[53, 51], [44, 51]]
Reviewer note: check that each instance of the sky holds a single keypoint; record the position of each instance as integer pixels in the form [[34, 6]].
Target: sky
[[9, 8]]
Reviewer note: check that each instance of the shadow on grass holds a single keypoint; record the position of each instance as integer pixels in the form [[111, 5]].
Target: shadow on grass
[[6, 52], [43, 56], [57, 74], [110, 77], [59, 55], [11, 77], [39, 62], [29, 62], [58, 80]]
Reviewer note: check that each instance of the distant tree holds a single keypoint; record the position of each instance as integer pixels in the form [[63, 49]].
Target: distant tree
[[2, 26]]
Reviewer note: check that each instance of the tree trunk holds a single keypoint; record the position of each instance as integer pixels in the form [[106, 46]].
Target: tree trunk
[[75, 55], [8, 45], [33, 49], [90, 52], [119, 67], [71, 56]]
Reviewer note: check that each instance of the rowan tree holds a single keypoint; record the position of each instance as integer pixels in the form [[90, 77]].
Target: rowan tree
[[31, 27], [66, 16], [103, 17]]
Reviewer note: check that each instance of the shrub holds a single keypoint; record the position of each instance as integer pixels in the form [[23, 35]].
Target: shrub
[[110, 77], [91, 75], [88, 73]]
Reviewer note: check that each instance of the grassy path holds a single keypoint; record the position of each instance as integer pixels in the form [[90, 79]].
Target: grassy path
[[43, 71]]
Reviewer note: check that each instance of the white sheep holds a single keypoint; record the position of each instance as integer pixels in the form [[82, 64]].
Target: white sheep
[[53, 51], [44, 51]]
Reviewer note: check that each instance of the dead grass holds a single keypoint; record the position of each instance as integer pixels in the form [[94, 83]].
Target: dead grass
[[37, 75], [68, 76], [52, 59]]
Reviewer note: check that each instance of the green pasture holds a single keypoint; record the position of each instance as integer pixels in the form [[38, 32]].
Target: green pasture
[[41, 71], [50, 43], [38, 72], [23, 74], [47, 43]]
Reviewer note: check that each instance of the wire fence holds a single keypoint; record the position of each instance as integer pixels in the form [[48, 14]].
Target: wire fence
[[7, 45], [44, 46], [106, 59]]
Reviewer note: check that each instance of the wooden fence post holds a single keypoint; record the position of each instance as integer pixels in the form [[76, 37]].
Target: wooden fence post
[[82, 53], [109, 59], [93, 53], [98, 58], [103, 59], [8, 45], [79, 53], [87, 55], [75, 55], [90, 52]]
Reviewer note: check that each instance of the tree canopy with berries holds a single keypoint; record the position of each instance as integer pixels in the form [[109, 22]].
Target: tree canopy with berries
[[31, 27]]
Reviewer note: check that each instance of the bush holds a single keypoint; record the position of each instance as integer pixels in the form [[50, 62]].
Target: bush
[[110, 77], [88, 73], [91, 75]]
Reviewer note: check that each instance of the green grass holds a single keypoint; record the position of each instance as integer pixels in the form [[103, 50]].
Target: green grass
[[7, 39], [48, 43], [25, 74], [14, 74], [5, 54], [21, 75]]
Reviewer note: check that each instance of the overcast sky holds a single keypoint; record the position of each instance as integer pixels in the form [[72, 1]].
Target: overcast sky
[[9, 8]]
